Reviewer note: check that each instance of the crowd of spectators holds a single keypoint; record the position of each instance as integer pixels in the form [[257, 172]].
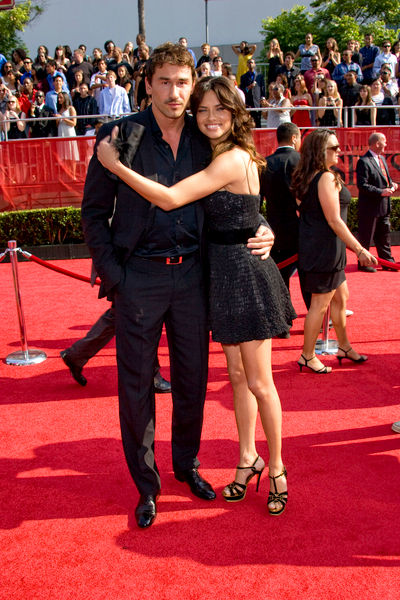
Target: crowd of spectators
[[111, 82]]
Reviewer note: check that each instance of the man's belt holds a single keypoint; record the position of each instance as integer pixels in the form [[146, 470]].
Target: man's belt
[[169, 260]]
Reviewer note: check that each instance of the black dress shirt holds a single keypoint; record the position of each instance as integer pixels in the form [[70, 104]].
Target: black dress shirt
[[172, 233]]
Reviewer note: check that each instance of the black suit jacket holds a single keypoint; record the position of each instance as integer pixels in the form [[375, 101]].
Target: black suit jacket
[[106, 197], [281, 203], [371, 183]]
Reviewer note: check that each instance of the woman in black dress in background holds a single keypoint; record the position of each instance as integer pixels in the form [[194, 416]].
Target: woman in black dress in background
[[249, 302], [365, 114], [323, 237]]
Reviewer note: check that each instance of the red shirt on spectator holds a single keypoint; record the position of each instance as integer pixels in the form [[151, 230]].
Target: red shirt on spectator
[[311, 74], [25, 103]]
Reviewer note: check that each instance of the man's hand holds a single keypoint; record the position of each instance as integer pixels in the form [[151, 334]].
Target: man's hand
[[262, 243]]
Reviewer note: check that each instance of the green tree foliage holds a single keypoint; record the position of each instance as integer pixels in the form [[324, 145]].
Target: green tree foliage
[[332, 19], [365, 13], [14, 21]]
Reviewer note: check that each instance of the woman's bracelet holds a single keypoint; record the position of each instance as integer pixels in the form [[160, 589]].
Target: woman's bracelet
[[361, 251]]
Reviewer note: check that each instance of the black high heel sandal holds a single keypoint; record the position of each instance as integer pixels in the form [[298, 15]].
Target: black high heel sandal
[[362, 358], [236, 491], [276, 496], [307, 360]]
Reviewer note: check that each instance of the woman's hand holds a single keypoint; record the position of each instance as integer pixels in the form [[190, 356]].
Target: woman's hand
[[107, 152], [262, 243], [366, 259]]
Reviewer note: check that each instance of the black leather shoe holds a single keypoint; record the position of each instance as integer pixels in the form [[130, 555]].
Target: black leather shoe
[[199, 486], [366, 269], [146, 511], [76, 371], [161, 385]]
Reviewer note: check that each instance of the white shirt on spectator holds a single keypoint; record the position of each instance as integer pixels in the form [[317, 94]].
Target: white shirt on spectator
[[393, 88], [114, 101], [381, 59], [96, 79]]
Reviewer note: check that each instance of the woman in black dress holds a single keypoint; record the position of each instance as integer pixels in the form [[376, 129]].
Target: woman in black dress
[[249, 303], [323, 237], [365, 114]]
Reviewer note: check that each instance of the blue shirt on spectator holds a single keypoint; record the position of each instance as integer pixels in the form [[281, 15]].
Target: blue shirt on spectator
[[50, 81], [369, 53], [342, 68], [51, 100], [2, 60]]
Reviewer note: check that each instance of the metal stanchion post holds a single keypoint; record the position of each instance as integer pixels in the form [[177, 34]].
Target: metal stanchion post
[[26, 356], [325, 345]]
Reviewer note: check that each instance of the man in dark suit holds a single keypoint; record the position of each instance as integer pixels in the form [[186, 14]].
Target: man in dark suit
[[281, 203], [150, 263], [253, 86], [374, 190]]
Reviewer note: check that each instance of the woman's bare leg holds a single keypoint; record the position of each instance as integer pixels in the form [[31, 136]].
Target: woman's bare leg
[[312, 327], [338, 315], [245, 406], [256, 357]]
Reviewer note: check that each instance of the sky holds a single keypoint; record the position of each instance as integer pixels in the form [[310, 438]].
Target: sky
[[92, 22]]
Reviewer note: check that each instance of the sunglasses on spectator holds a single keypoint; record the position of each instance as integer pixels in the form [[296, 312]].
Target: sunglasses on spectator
[[275, 89], [386, 46], [39, 95], [314, 60], [11, 102], [27, 62], [385, 73], [333, 148]]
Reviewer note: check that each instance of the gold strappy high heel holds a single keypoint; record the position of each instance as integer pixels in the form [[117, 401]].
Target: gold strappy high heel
[[276, 496], [235, 491]]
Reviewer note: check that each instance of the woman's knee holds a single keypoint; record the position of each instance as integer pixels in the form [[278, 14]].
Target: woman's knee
[[237, 376]]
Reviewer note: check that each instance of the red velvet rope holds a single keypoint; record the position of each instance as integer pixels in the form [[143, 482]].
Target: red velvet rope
[[39, 261], [388, 263], [281, 265], [287, 261]]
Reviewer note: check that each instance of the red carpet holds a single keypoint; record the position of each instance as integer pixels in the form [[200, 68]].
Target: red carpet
[[67, 529]]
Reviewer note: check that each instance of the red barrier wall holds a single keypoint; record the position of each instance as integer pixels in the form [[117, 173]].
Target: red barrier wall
[[36, 174]]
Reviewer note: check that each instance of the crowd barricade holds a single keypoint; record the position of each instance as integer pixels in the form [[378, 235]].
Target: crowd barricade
[[34, 173], [353, 143]]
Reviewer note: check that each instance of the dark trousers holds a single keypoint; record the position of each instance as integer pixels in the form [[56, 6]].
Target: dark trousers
[[96, 338], [377, 229], [152, 294]]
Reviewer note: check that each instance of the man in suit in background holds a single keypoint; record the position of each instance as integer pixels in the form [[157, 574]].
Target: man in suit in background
[[374, 190], [281, 203]]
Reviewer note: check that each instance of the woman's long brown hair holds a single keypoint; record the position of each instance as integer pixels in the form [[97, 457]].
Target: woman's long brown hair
[[312, 161]]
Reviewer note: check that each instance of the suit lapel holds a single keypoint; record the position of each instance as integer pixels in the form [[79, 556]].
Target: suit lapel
[[375, 166]]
